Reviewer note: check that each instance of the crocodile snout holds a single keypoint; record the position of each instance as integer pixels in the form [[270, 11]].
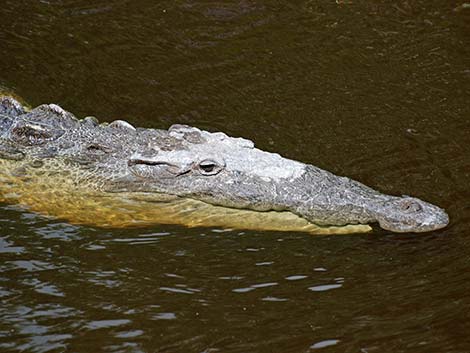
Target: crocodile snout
[[409, 214]]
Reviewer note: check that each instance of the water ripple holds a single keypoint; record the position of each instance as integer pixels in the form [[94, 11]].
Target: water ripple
[[254, 286], [296, 277], [44, 287], [266, 263], [325, 343], [177, 290], [274, 299], [164, 316], [8, 247], [325, 287], [129, 334], [99, 324]]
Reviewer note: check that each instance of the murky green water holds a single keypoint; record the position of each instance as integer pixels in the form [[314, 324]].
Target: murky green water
[[375, 91]]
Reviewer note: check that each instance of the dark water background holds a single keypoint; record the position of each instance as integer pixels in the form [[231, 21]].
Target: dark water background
[[377, 91]]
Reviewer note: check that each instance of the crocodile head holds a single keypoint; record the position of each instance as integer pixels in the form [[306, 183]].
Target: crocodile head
[[409, 214], [231, 172]]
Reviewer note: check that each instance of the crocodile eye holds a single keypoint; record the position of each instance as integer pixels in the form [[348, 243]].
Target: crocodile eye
[[209, 167]]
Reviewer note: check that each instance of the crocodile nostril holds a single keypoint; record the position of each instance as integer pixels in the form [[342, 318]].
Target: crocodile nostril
[[411, 206]]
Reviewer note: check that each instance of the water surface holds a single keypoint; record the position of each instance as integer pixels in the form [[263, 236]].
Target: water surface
[[377, 92]]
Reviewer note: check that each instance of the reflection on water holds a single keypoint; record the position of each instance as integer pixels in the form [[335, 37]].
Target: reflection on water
[[375, 91]]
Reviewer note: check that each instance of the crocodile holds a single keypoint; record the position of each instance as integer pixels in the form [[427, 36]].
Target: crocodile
[[189, 163]]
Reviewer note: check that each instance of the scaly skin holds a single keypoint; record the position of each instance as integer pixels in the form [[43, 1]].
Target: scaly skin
[[191, 163]]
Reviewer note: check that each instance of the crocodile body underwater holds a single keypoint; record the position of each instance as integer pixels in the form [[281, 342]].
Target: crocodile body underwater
[[47, 150]]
